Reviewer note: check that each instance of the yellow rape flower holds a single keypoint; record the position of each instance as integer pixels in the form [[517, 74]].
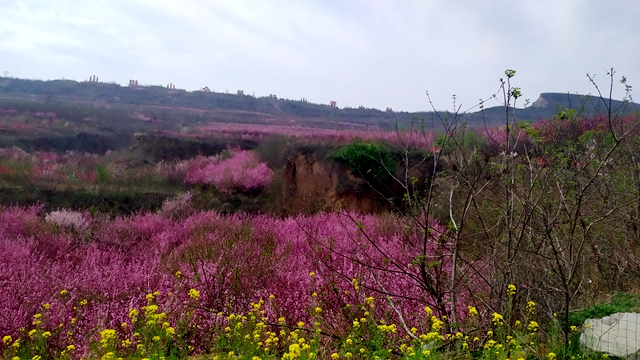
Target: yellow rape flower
[[194, 294], [497, 319], [436, 324], [7, 339], [387, 328], [531, 307], [369, 300], [258, 305], [107, 336], [511, 289], [472, 311]]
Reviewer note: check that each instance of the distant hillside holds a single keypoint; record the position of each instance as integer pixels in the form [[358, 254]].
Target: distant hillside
[[549, 104], [61, 91]]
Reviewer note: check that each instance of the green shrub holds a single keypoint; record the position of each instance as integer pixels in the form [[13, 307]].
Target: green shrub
[[372, 162], [102, 172]]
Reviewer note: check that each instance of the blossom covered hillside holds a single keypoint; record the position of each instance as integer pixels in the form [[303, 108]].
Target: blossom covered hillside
[[75, 273]]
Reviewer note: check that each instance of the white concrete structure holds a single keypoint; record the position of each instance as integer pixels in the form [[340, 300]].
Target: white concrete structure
[[616, 335]]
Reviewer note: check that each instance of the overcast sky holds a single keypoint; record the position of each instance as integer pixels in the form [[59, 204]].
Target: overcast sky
[[363, 52]]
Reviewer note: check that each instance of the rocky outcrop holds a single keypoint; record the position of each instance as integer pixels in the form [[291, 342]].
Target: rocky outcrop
[[541, 102]]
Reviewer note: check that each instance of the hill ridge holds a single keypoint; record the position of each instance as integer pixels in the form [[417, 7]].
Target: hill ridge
[[547, 104]]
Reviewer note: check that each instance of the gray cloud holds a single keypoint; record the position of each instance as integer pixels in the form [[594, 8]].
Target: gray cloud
[[360, 52]]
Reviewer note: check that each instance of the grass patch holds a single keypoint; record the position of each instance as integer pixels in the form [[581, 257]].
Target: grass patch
[[620, 302]]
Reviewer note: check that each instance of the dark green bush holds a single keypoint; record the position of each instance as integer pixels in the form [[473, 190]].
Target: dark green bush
[[372, 162]]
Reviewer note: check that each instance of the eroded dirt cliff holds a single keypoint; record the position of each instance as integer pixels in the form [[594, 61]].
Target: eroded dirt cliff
[[312, 183]]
